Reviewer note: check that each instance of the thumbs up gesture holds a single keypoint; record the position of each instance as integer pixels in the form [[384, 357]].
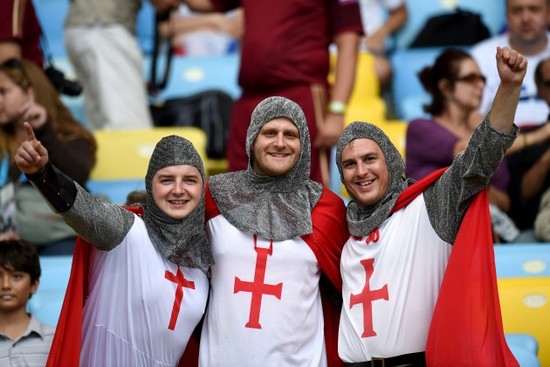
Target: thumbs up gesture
[[31, 156]]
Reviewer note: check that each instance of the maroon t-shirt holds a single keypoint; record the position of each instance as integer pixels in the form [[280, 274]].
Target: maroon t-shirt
[[286, 41], [19, 24]]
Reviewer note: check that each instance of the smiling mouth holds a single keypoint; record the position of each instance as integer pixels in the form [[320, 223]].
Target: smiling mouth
[[178, 202], [365, 183]]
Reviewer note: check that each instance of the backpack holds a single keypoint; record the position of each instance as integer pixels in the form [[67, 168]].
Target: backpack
[[209, 110], [458, 28]]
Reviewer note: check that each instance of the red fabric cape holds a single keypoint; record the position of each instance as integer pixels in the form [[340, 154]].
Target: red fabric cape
[[329, 236], [466, 327]]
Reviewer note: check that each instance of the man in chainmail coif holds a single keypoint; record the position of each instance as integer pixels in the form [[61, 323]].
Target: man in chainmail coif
[[276, 238], [402, 235], [147, 285]]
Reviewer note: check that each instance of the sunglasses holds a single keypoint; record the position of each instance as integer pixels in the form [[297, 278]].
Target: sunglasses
[[471, 78]]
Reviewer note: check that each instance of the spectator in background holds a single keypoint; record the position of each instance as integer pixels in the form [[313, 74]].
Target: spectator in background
[[530, 167], [527, 22], [20, 32], [199, 34], [381, 19], [456, 85], [27, 95], [285, 52], [24, 341], [101, 44]]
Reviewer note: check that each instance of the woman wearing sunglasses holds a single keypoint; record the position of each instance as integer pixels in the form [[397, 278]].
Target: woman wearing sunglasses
[[456, 85]]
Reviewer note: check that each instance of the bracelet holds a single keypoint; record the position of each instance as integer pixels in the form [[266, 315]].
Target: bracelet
[[337, 107]]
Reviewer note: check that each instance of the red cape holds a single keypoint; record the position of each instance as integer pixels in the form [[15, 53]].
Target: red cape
[[329, 236], [466, 327]]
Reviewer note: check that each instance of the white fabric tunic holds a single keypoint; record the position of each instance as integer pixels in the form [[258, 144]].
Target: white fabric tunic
[[390, 286], [145, 326], [264, 300]]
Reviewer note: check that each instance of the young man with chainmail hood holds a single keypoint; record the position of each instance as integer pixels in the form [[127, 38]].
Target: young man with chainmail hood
[[135, 296], [402, 235], [276, 239]]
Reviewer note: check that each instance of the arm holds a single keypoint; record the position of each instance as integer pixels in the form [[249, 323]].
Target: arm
[[344, 79], [448, 199], [200, 5], [376, 42], [529, 138], [103, 224], [532, 181]]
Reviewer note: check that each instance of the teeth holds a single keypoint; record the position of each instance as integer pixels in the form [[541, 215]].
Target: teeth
[[178, 202], [365, 183]]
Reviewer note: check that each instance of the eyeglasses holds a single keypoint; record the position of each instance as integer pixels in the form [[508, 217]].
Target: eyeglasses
[[11, 64], [546, 83], [471, 78]]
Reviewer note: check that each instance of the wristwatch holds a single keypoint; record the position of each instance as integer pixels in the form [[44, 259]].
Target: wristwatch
[[337, 107]]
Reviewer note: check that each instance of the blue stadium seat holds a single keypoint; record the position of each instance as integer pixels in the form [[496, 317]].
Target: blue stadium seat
[[522, 260], [145, 27], [408, 93], [194, 74], [492, 12], [46, 303], [51, 15]]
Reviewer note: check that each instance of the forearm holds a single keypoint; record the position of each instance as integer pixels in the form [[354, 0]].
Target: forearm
[[532, 181], [396, 20], [200, 5], [210, 21], [346, 62], [504, 107], [530, 138]]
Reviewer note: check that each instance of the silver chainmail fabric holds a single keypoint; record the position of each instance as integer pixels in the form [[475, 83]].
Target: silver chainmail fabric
[[182, 241], [362, 220], [277, 208]]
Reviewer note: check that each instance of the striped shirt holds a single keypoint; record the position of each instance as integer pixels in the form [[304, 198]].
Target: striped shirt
[[30, 349]]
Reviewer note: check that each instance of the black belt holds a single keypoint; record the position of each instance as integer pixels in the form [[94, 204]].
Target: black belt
[[405, 360]]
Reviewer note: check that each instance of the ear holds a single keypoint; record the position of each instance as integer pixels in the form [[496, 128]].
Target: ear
[[34, 286], [445, 86]]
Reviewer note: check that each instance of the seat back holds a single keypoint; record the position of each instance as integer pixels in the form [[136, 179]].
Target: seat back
[[46, 303], [123, 157], [51, 14]]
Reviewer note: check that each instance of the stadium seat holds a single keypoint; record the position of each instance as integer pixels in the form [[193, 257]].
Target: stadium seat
[[492, 13], [522, 260], [123, 158], [46, 303], [406, 86], [525, 309], [194, 74], [51, 15], [145, 27]]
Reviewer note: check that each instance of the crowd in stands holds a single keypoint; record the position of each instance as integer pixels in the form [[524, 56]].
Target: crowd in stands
[[284, 49]]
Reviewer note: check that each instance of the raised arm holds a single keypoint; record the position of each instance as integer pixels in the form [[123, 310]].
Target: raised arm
[[512, 67], [102, 224]]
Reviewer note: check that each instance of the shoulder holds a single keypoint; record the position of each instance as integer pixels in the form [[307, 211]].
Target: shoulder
[[211, 209]]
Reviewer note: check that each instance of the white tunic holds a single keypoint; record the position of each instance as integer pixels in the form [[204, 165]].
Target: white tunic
[[265, 306], [391, 281], [131, 315]]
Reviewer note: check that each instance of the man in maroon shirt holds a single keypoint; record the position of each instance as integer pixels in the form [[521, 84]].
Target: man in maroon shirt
[[285, 52], [19, 31]]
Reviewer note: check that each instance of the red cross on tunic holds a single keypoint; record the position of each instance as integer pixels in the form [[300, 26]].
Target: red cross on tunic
[[366, 297], [181, 283], [258, 288]]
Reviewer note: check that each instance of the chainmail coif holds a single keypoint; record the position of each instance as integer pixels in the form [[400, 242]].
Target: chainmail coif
[[182, 241], [277, 208], [362, 219]]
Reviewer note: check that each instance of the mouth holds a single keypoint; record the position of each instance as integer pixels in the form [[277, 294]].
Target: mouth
[[6, 297], [364, 183], [178, 202]]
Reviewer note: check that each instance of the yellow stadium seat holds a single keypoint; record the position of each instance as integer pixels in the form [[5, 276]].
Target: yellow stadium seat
[[123, 157], [525, 307]]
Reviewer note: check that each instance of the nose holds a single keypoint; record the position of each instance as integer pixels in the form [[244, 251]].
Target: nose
[[178, 187], [362, 169], [5, 282], [280, 140]]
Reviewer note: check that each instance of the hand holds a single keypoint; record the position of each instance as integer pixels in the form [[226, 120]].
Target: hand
[[162, 6], [330, 131], [7, 236], [511, 66], [34, 113], [31, 156]]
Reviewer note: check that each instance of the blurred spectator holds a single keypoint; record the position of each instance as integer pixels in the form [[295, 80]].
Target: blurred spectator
[[19, 31], [24, 341], [381, 19], [285, 52], [542, 221], [27, 95], [101, 43], [530, 168], [456, 84], [199, 34], [527, 21]]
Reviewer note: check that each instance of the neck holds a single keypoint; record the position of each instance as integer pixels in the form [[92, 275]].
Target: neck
[[530, 47], [13, 324]]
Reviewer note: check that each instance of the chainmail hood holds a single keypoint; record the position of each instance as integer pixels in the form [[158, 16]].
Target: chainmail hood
[[182, 241], [277, 208], [361, 219]]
